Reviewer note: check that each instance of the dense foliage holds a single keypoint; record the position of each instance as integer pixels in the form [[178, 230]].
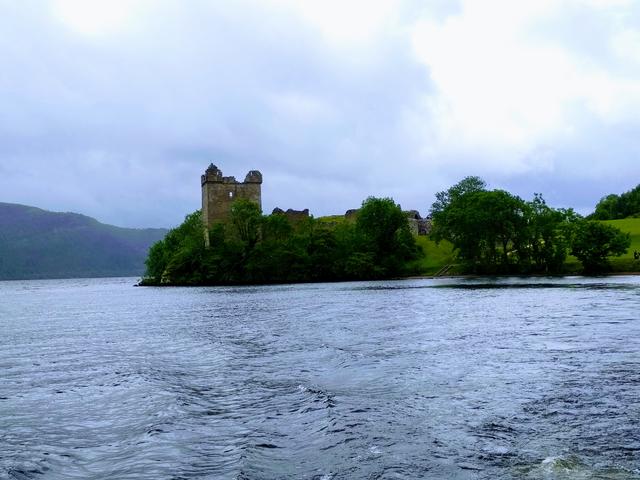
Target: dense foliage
[[36, 243], [252, 248], [491, 232], [613, 207], [594, 241], [494, 231]]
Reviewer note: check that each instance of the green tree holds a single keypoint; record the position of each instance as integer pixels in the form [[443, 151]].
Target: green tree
[[464, 186], [324, 255], [548, 235], [246, 218], [504, 230], [593, 242], [607, 208], [276, 228], [223, 261], [629, 203], [384, 230], [613, 206], [156, 261], [250, 248], [487, 228], [180, 257], [450, 204], [363, 266]]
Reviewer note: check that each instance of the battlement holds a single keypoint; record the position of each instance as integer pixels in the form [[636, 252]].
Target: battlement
[[254, 176], [214, 175], [219, 193]]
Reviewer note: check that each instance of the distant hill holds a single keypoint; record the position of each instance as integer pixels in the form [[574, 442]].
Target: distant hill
[[36, 243], [616, 207]]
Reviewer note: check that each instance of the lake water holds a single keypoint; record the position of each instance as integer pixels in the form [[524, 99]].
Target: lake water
[[443, 379]]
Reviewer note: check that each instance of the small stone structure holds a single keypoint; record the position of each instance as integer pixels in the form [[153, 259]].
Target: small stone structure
[[351, 214], [417, 224], [219, 193], [294, 216]]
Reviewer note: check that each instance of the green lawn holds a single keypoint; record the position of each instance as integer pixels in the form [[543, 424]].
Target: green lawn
[[332, 219], [631, 225], [626, 263], [438, 256], [435, 256]]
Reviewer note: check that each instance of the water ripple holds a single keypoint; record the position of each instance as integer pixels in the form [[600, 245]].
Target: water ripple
[[448, 378]]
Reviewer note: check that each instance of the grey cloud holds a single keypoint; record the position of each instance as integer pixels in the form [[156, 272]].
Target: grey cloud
[[122, 127], [194, 88]]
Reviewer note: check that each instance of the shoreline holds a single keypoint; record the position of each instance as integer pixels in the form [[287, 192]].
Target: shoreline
[[411, 277], [529, 275]]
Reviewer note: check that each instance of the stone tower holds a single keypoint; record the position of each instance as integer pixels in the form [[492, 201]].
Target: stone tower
[[218, 193]]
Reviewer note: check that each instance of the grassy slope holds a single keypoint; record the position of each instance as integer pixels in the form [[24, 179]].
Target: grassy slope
[[331, 219], [437, 257], [35, 243], [626, 263]]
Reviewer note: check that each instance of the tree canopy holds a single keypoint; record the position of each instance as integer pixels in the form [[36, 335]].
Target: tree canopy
[[252, 248], [613, 207], [594, 242], [494, 231], [491, 231]]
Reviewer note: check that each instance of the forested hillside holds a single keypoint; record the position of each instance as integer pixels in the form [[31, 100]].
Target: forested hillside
[[36, 243], [615, 207]]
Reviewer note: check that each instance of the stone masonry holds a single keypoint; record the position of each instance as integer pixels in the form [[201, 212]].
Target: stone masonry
[[219, 193]]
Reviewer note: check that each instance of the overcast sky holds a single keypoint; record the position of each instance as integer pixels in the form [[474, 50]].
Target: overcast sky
[[114, 108]]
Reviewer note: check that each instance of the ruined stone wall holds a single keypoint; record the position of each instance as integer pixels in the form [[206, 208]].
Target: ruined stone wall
[[219, 193], [294, 216]]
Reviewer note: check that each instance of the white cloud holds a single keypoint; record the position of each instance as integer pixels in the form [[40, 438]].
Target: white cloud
[[300, 107], [626, 45], [502, 92], [97, 17], [346, 23]]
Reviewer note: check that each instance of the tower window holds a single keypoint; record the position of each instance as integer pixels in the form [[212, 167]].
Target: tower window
[[230, 194]]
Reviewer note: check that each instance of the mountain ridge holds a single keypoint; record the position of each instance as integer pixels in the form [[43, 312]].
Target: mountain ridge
[[37, 243]]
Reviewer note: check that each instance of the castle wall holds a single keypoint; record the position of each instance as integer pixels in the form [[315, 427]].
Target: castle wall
[[219, 193], [294, 216]]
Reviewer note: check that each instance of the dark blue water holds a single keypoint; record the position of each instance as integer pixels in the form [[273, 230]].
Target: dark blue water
[[457, 379]]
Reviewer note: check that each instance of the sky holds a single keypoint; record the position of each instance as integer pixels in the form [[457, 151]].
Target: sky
[[115, 108]]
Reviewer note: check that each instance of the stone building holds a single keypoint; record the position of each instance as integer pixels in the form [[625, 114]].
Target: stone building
[[417, 224], [294, 216], [219, 193]]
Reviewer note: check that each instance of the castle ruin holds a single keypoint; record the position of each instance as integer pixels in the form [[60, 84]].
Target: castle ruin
[[219, 193]]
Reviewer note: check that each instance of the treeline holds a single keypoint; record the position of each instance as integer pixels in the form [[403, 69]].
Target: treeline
[[614, 207], [491, 231], [495, 232], [252, 248]]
